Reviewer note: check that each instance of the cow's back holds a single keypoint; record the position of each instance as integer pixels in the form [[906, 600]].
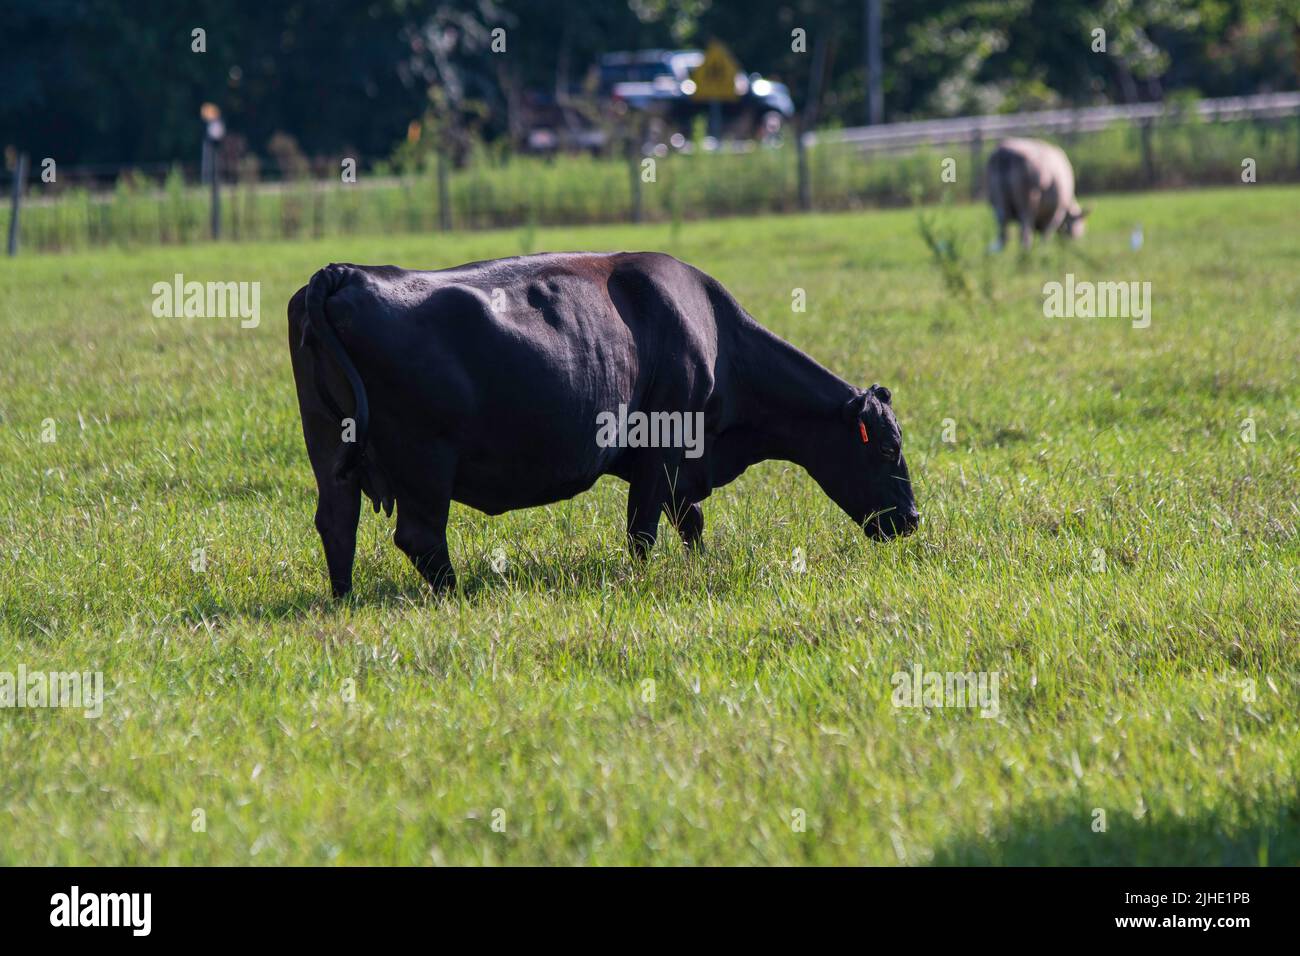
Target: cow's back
[[1019, 169], [510, 361]]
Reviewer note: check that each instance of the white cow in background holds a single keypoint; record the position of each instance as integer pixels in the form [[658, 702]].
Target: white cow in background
[[1032, 183]]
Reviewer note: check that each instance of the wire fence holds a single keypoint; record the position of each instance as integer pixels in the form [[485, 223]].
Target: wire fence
[[1112, 148]]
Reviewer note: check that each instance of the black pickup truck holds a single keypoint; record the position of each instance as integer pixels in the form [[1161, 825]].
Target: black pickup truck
[[659, 82]]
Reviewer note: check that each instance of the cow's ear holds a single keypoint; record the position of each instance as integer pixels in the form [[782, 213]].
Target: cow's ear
[[851, 410], [882, 393]]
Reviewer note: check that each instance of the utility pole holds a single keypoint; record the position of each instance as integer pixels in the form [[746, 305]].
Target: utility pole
[[214, 130], [807, 120], [875, 74]]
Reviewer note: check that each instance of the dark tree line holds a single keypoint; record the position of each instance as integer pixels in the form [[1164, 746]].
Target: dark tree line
[[117, 81]]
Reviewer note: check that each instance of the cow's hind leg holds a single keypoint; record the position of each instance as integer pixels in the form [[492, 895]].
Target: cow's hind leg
[[338, 502], [422, 535], [337, 512], [1000, 236], [1001, 214], [422, 518]]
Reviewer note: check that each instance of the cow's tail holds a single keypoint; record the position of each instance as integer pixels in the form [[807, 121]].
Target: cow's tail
[[322, 285]]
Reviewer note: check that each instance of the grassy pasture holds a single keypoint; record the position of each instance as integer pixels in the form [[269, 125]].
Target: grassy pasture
[[1157, 693]]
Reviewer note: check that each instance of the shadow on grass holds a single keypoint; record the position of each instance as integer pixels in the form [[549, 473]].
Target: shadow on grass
[[477, 583], [670, 573], [1256, 834]]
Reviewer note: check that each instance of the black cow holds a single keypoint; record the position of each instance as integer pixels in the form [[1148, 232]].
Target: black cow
[[485, 384]]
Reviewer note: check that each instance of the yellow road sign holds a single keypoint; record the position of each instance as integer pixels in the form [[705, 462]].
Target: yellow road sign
[[715, 78]]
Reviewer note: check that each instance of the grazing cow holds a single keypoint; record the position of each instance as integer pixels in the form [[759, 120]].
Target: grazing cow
[[485, 384], [1032, 182]]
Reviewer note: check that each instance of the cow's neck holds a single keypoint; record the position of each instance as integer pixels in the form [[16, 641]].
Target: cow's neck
[[797, 403]]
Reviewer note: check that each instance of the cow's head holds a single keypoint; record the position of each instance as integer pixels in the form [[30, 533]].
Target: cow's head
[[1073, 225], [873, 484]]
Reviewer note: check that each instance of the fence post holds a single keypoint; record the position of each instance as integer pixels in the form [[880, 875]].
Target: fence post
[[211, 145], [634, 139], [801, 158], [976, 163], [214, 131], [807, 120], [20, 178], [444, 192], [1148, 157]]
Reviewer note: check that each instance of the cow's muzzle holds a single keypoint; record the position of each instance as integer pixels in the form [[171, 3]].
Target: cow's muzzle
[[892, 524]]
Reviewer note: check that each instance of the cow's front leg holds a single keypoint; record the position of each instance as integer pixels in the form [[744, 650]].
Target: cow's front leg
[[649, 492], [643, 506], [689, 522], [657, 486], [1057, 220]]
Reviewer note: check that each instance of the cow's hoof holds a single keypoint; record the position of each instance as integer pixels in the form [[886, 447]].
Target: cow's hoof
[[435, 569], [639, 545], [442, 582]]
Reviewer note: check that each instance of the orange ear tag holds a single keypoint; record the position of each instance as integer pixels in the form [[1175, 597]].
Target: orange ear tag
[[862, 430]]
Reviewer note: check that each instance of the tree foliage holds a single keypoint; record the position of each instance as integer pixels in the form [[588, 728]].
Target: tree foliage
[[118, 81]]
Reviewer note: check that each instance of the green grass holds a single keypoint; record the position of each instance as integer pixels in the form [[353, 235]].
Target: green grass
[[1124, 690]]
